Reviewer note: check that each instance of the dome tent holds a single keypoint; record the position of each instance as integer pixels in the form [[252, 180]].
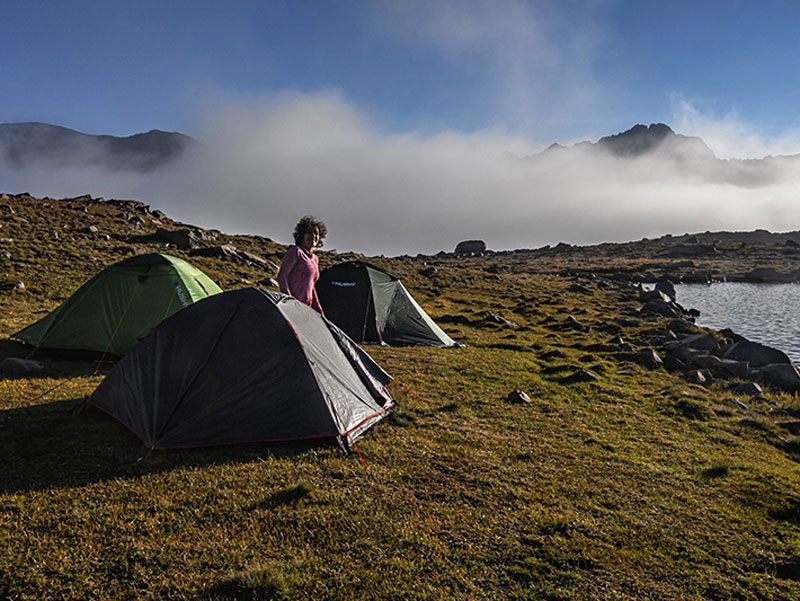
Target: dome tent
[[119, 305], [372, 306], [245, 366]]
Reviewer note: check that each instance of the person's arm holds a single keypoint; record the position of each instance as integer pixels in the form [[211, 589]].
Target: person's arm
[[289, 260]]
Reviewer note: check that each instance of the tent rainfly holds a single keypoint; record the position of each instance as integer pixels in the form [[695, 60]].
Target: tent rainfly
[[372, 306], [244, 366], [119, 305]]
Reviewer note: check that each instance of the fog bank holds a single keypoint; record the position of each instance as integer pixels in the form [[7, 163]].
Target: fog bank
[[265, 163]]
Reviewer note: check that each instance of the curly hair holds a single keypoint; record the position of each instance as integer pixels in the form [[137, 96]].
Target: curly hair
[[307, 224]]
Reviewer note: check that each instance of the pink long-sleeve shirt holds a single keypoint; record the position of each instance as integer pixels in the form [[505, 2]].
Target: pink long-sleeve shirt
[[298, 274]]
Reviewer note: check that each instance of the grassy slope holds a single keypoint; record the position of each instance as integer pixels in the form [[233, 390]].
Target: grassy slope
[[636, 486]]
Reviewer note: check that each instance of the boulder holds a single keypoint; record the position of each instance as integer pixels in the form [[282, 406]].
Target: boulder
[[470, 247], [667, 288], [186, 239], [724, 368], [648, 358], [697, 277], [750, 389], [581, 375], [783, 376], [518, 396], [757, 355], [765, 275], [699, 376], [692, 250]]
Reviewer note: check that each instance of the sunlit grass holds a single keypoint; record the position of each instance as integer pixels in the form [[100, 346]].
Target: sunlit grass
[[638, 485]]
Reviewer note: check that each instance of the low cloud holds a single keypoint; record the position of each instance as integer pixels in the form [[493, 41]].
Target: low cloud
[[265, 163]]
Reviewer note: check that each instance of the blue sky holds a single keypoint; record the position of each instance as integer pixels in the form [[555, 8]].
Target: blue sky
[[548, 71], [394, 121]]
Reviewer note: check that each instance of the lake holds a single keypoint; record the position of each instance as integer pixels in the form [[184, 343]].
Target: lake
[[765, 313]]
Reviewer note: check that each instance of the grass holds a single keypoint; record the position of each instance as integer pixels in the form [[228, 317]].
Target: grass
[[635, 486]]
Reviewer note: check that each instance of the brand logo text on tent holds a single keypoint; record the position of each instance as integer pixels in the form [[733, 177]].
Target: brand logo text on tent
[[343, 284]]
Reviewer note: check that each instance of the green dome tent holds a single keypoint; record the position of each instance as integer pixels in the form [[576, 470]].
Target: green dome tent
[[372, 306], [119, 305]]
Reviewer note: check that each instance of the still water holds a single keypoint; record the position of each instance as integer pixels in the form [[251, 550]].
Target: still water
[[765, 313]]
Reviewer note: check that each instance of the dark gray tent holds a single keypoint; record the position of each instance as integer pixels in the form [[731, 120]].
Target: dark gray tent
[[245, 366], [372, 306]]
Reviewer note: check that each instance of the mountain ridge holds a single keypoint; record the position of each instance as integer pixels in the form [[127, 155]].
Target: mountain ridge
[[32, 143]]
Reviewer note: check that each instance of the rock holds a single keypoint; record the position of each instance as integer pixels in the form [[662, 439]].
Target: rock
[[92, 229], [783, 376], [750, 389], [518, 396], [581, 375], [254, 260], [463, 319], [554, 354], [648, 358], [470, 247], [697, 277], [699, 376], [186, 239], [691, 250], [661, 307], [226, 250], [15, 365], [793, 427], [270, 282], [673, 363], [721, 367], [13, 287], [737, 403], [580, 288], [765, 275], [5, 254], [497, 318], [666, 287], [570, 323], [757, 355], [429, 271], [682, 326]]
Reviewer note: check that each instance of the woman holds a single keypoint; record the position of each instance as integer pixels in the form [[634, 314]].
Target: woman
[[299, 270]]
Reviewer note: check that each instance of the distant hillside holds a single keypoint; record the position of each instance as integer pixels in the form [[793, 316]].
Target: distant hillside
[[688, 155], [40, 144]]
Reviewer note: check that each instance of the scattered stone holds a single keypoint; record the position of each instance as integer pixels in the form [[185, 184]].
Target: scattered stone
[[737, 403], [750, 389], [462, 319], [648, 358], [13, 287], [91, 229], [667, 288], [793, 427], [699, 376], [554, 354], [581, 375], [497, 318], [269, 282], [519, 396], [5, 254], [429, 271], [15, 365], [580, 288]]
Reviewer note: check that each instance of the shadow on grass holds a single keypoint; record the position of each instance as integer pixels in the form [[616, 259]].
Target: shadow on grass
[[52, 445], [57, 364]]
